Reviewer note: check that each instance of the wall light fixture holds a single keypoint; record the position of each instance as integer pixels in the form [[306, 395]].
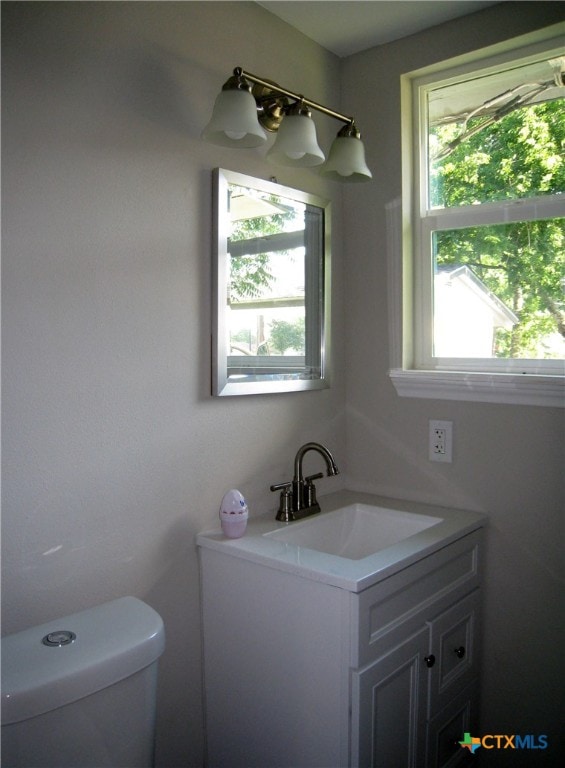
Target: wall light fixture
[[242, 113]]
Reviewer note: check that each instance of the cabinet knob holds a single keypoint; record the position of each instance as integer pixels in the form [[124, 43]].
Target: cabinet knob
[[459, 652], [430, 660]]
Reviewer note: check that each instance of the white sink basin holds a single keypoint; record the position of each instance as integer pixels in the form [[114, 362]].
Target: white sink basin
[[355, 531]]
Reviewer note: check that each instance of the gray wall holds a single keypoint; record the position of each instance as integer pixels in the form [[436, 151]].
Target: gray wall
[[114, 453], [508, 460]]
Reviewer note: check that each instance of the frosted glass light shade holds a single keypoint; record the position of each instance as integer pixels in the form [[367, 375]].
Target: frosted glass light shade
[[234, 121], [296, 143], [346, 161]]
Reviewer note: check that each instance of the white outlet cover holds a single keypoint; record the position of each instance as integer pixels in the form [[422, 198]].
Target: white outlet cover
[[447, 455]]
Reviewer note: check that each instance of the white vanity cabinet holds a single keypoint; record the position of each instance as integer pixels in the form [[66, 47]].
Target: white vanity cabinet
[[414, 676], [300, 672]]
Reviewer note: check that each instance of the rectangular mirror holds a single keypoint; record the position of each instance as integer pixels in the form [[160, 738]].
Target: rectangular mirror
[[271, 287]]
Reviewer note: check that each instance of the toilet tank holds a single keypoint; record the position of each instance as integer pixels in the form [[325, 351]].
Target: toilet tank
[[80, 692]]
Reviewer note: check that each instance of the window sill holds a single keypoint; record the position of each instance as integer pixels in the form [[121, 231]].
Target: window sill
[[522, 389]]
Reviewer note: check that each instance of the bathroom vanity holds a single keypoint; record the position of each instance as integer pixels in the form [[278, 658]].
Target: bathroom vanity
[[323, 648]]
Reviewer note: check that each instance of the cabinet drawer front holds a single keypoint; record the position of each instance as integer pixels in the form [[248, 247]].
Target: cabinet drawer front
[[390, 610], [448, 727], [453, 641]]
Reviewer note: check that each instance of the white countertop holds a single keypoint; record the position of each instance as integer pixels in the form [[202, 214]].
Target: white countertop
[[353, 575]]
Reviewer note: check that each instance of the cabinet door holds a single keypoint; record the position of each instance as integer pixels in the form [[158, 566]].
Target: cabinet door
[[389, 708], [453, 641]]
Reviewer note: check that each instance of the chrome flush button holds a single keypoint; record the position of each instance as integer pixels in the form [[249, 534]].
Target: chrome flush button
[[58, 638]]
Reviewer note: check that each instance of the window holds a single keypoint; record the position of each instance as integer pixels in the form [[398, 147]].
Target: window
[[486, 215]]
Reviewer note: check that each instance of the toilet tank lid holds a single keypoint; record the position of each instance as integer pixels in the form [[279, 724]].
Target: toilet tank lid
[[113, 641]]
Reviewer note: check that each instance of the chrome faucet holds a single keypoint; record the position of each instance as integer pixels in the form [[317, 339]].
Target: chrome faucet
[[298, 497]]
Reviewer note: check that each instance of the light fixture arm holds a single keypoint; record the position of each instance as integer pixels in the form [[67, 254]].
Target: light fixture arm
[[275, 88]]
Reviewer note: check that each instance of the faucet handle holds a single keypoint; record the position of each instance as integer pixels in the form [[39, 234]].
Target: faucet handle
[[311, 478], [285, 512], [280, 486]]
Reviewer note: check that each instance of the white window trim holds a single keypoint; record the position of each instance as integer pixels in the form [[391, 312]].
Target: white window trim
[[480, 387], [410, 376]]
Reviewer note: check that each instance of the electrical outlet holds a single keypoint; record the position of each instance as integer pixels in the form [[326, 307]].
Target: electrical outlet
[[441, 441]]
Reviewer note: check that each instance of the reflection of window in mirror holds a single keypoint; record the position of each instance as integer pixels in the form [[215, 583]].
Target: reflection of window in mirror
[[274, 294]]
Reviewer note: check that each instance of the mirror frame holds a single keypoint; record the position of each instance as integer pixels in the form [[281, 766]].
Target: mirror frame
[[221, 384]]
